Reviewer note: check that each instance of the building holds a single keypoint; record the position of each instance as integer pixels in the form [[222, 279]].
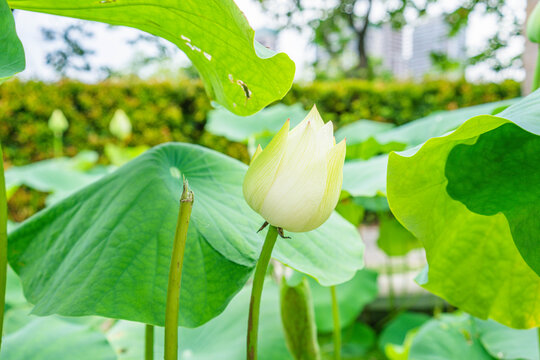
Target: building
[[406, 53]]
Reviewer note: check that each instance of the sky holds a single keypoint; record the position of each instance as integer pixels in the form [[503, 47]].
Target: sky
[[111, 48]]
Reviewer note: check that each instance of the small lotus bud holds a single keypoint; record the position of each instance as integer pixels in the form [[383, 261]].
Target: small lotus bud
[[120, 125], [295, 182], [533, 25], [58, 122]]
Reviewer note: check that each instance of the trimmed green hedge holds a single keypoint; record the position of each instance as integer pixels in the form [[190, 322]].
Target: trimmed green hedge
[[163, 112]]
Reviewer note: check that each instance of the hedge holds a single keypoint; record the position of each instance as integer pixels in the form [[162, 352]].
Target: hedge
[[163, 111]]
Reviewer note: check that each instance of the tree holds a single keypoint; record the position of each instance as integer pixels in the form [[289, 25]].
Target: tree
[[340, 24], [73, 50], [71, 54]]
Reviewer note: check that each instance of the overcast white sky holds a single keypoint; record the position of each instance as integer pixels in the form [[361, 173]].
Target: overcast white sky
[[112, 50]]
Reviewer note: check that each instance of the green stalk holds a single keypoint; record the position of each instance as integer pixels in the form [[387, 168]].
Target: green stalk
[[58, 144], [149, 342], [256, 291], [3, 243], [391, 291], [337, 326], [175, 274], [536, 79]]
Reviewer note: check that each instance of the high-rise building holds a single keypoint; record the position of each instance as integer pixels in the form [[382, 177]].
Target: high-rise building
[[407, 52]]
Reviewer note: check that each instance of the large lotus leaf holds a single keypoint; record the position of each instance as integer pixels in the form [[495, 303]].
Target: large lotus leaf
[[394, 239], [60, 177], [352, 297], [360, 141], [395, 332], [509, 159], [12, 55], [349, 209], [450, 336], [357, 340], [365, 178], [105, 250], [503, 342], [470, 233], [331, 254], [14, 294], [436, 124], [361, 130], [221, 338], [242, 128], [238, 72], [51, 338]]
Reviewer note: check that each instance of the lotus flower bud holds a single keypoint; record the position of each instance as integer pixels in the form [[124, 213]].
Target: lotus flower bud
[[295, 182], [533, 25], [120, 125], [58, 122]]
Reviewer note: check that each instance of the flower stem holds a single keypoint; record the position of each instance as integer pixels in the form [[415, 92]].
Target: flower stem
[[538, 340], [58, 144], [337, 326], [256, 291], [3, 243], [149, 342], [536, 79], [175, 274]]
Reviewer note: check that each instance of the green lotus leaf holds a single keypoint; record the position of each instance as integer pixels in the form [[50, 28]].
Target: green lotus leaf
[[52, 338], [105, 250], [469, 197], [436, 124], [365, 178], [394, 239], [352, 296], [221, 338], [61, 176], [361, 130], [357, 340], [349, 209], [505, 343], [238, 72], [12, 55], [450, 336], [243, 128], [360, 142], [395, 332]]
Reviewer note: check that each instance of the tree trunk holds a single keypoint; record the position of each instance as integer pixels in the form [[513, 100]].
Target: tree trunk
[[363, 63], [362, 53]]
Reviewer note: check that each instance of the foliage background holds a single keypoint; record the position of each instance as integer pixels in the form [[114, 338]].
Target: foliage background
[[166, 111]]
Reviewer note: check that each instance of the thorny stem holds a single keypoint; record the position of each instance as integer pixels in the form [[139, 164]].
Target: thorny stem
[[149, 342], [3, 243], [337, 326], [175, 274], [256, 291]]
